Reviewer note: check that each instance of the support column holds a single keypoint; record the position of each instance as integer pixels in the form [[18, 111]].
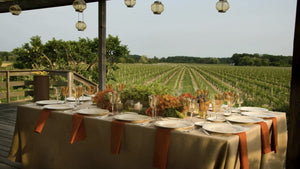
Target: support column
[[102, 43], [293, 151]]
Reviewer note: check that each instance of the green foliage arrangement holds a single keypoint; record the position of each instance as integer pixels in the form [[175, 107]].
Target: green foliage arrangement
[[141, 92]]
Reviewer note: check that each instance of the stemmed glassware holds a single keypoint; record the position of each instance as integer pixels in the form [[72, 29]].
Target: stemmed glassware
[[57, 93], [113, 100], [65, 92], [153, 101], [77, 93], [230, 98], [240, 100]]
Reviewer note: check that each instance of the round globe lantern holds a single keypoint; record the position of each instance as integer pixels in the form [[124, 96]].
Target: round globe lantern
[[80, 25], [15, 9], [222, 6], [157, 7], [130, 3], [79, 5]]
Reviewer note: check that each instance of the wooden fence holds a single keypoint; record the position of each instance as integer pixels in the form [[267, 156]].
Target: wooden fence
[[17, 85]]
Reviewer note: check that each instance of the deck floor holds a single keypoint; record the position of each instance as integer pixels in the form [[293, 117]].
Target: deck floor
[[8, 113]]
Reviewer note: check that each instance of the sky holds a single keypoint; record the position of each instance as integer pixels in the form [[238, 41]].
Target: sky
[[185, 28]]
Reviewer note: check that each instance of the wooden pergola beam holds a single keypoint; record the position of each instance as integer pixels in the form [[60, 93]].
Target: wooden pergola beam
[[37, 4]]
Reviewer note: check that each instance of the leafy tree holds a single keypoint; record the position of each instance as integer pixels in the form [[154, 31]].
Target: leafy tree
[[143, 59], [80, 56], [0, 62]]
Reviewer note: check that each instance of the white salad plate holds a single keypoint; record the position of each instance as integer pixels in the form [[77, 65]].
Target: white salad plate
[[82, 98], [93, 112], [47, 102], [134, 118], [58, 107], [259, 114], [248, 109], [175, 124], [223, 128], [244, 119]]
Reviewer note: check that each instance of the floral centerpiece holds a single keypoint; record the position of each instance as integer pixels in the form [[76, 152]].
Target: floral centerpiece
[[169, 106], [101, 99]]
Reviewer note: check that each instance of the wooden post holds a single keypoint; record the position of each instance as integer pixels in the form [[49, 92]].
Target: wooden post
[[293, 151], [102, 44], [7, 87], [70, 82]]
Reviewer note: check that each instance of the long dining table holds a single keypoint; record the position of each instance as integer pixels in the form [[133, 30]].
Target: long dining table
[[193, 149]]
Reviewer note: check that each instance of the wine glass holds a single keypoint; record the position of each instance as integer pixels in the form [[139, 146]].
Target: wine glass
[[112, 100], [232, 102], [65, 92], [57, 93], [153, 101], [240, 100]]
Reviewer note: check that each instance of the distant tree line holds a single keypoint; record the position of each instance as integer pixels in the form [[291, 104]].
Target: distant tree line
[[245, 59]]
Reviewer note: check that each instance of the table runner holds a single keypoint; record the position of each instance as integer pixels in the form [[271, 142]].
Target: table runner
[[243, 150], [117, 128], [42, 120], [274, 138], [161, 147], [78, 128]]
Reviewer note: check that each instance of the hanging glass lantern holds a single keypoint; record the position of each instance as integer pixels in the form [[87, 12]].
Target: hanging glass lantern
[[80, 25], [130, 3], [79, 5], [15, 9], [157, 7], [222, 6]]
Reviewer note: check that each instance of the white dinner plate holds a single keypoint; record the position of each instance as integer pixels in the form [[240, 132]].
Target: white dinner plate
[[201, 123], [259, 114], [175, 124], [134, 118], [93, 112], [248, 109], [213, 119], [47, 102], [58, 107], [224, 128], [82, 98], [244, 119]]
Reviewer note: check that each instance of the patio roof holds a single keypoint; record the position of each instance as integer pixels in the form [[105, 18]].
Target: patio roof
[[36, 4]]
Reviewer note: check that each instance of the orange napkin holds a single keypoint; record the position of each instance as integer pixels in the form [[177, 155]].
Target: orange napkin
[[274, 139], [243, 150], [42, 120], [161, 147], [265, 137], [78, 129], [116, 133]]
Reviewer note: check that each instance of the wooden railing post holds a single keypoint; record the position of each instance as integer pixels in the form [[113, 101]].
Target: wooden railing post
[[70, 82], [7, 87]]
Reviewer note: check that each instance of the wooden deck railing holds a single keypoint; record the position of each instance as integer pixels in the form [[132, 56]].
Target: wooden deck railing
[[17, 85]]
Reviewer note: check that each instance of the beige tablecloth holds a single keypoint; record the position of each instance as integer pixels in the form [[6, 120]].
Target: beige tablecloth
[[188, 150]]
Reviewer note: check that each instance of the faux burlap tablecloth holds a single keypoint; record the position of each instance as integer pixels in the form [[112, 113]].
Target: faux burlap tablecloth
[[188, 150]]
